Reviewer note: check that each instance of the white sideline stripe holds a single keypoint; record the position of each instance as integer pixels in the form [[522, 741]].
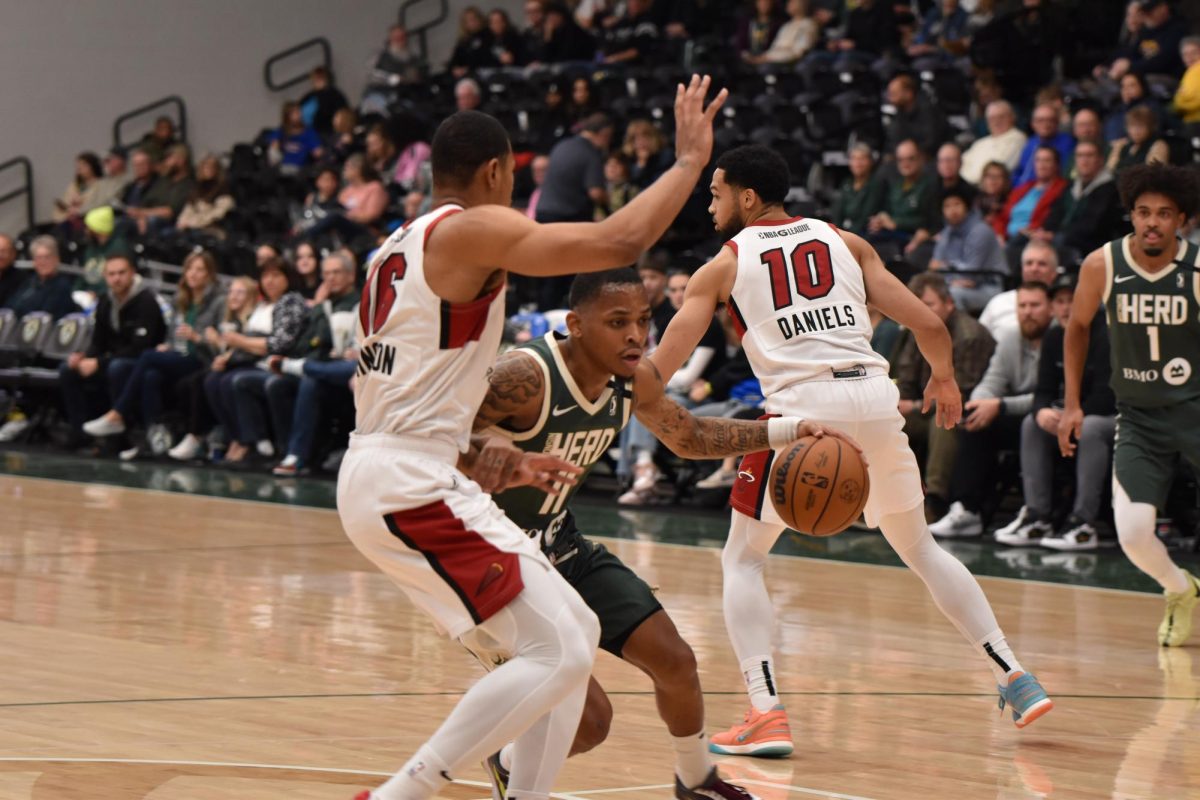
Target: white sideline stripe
[[804, 789]]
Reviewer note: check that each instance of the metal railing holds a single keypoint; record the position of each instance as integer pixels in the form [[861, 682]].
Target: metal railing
[[326, 61], [419, 30], [26, 188], [172, 100]]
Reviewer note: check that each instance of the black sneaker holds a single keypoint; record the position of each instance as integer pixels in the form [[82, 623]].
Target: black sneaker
[[712, 789], [497, 776]]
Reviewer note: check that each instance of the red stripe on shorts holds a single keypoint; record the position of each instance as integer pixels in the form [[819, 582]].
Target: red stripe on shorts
[[485, 578], [750, 489]]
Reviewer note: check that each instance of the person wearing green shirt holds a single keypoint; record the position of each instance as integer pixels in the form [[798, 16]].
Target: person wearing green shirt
[[859, 195], [909, 213]]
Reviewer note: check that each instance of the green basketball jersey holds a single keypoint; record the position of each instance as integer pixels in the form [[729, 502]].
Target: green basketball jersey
[[570, 427], [1153, 326]]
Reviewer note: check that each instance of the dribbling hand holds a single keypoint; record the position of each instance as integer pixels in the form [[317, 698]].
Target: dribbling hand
[[948, 399], [806, 428], [694, 122]]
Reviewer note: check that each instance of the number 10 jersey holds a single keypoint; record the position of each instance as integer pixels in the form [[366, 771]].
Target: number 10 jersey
[[799, 302]]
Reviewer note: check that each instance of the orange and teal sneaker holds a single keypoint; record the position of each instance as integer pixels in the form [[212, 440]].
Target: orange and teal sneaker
[[762, 734], [1026, 697]]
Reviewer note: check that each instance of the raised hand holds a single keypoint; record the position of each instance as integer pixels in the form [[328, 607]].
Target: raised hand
[[694, 122]]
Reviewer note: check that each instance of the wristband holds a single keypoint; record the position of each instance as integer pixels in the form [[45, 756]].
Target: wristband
[[781, 431]]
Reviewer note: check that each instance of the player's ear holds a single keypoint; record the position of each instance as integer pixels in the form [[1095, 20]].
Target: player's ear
[[574, 324], [494, 169]]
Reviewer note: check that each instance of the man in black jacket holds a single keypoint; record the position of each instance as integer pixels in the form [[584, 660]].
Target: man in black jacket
[[128, 320], [47, 290], [1094, 214]]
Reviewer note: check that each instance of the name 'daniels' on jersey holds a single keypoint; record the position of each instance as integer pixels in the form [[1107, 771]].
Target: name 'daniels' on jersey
[[815, 320]]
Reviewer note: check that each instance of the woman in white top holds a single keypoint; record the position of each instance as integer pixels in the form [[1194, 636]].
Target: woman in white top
[[795, 38]]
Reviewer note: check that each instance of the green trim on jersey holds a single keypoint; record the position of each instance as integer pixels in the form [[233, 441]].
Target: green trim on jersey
[[570, 427], [1153, 326]]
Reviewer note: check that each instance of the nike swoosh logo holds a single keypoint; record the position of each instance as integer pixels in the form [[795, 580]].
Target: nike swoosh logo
[[1124, 278], [558, 412]]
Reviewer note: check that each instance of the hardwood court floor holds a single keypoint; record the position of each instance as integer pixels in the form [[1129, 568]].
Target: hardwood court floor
[[174, 647]]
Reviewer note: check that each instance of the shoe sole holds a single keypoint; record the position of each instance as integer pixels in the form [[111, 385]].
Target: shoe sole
[[1037, 710], [763, 750], [1018, 542], [1070, 548]]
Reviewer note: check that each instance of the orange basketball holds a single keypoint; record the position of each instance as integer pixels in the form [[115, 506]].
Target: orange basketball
[[819, 486]]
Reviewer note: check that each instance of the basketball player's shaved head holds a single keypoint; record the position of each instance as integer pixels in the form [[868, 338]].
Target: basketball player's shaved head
[[464, 142]]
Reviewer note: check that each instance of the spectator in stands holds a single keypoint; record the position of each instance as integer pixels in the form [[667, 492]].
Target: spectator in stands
[[397, 63], [917, 118], [293, 145], [949, 170], [1039, 264], [994, 414], [474, 47], [508, 46], [582, 103], [573, 189], [321, 102], [617, 183], [1004, 142], [860, 194], [1086, 126], [533, 34], [362, 194], [756, 29], [81, 193], [198, 307], [347, 138], [986, 90], [264, 252], [48, 290], [11, 278], [1131, 29], [239, 304], [1034, 209], [1133, 94], [128, 322], [467, 95], [156, 143], [412, 172], [167, 196], [1094, 214], [308, 270], [1156, 50], [908, 215], [973, 348], [633, 38], [1141, 144], [1187, 96], [563, 38], [381, 150], [967, 245], [943, 33], [648, 153], [273, 329], [870, 32], [793, 41], [209, 202], [537, 170], [144, 179], [112, 183], [104, 241], [1045, 134], [318, 358], [1039, 446], [994, 187]]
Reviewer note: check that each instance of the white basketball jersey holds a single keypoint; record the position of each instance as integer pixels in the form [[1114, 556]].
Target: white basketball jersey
[[799, 302], [423, 366]]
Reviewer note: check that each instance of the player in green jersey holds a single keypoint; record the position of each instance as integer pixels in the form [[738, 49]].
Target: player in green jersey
[[1149, 285], [570, 396]]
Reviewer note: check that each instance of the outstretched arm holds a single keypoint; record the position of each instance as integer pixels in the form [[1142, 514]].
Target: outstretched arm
[[695, 437], [707, 289]]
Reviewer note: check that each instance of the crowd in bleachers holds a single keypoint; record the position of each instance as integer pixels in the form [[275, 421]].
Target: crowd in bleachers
[[976, 145]]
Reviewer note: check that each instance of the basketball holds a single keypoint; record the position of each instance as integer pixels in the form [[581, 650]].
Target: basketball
[[819, 486]]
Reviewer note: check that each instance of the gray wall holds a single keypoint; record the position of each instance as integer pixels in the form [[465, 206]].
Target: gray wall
[[69, 67]]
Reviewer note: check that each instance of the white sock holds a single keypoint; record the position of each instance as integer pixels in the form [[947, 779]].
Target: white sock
[[422, 777], [644, 457], [692, 760], [999, 656], [506, 757], [759, 672]]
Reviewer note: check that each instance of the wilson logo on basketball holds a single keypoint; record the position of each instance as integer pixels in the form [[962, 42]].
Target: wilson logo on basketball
[[779, 485]]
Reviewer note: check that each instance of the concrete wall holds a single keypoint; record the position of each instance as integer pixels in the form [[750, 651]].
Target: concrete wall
[[69, 67]]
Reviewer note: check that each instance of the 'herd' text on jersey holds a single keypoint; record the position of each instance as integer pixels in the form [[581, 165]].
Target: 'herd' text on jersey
[[423, 365], [1153, 326], [799, 302]]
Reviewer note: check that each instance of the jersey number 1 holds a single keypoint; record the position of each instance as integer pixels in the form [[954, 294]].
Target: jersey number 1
[[812, 269], [372, 315]]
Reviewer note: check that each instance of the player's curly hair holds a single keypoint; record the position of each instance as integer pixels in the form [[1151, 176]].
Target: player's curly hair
[[587, 286], [757, 167], [1181, 185]]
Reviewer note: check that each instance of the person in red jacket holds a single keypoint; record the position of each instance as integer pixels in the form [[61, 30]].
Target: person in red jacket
[[1034, 209]]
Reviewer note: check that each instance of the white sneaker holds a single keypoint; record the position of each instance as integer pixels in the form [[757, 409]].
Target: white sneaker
[[189, 448], [644, 477], [1023, 517], [159, 439], [130, 454], [635, 497], [13, 429], [720, 479], [265, 448], [1078, 536], [1027, 534], [292, 366], [957, 524], [103, 426]]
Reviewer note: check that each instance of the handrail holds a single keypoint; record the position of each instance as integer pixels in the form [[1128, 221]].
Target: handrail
[[169, 100], [326, 61], [419, 31], [26, 189]]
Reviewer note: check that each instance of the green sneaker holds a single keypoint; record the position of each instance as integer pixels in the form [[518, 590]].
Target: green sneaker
[[1177, 620]]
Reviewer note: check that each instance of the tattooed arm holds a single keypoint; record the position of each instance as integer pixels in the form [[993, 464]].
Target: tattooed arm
[[516, 388]]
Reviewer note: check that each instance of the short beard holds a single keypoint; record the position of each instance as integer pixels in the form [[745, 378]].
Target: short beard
[[736, 225], [1154, 252]]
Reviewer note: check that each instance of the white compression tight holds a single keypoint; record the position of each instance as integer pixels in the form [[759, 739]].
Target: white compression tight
[[535, 698], [1135, 531]]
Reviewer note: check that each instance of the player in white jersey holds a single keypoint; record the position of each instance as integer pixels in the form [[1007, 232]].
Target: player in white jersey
[[798, 290], [431, 318]]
